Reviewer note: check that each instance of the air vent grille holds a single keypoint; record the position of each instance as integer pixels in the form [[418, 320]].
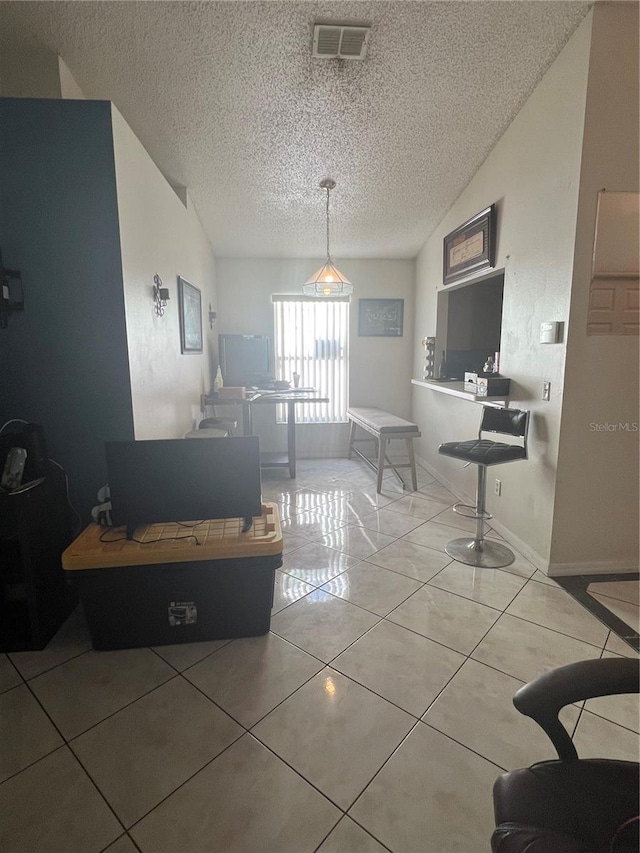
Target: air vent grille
[[340, 42]]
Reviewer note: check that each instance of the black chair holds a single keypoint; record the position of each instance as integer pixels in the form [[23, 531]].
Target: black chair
[[478, 551], [570, 805]]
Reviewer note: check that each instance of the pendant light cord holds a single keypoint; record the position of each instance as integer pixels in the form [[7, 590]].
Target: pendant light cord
[[328, 252]]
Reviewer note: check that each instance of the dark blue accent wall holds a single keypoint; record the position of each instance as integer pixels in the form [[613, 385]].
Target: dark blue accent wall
[[64, 361]]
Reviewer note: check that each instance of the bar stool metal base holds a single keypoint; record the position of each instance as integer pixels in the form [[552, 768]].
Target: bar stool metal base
[[480, 553]]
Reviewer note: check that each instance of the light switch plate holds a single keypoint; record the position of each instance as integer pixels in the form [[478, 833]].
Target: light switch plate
[[546, 390]]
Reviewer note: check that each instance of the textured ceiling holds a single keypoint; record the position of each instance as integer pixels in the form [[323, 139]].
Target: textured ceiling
[[228, 101]]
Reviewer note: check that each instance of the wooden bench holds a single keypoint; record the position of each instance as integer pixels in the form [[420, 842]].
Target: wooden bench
[[383, 427]]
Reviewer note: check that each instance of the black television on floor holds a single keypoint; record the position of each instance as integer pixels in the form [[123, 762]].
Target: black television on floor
[[245, 359], [164, 480]]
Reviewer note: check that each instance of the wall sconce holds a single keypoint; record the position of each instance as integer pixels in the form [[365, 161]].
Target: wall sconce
[[160, 296], [212, 317], [11, 293]]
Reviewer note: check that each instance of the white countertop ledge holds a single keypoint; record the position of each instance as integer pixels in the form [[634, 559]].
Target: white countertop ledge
[[456, 389]]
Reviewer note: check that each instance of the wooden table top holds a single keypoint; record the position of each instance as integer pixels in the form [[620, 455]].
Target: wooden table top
[[213, 539]]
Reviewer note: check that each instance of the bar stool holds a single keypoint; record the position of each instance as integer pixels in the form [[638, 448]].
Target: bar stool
[[478, 551]]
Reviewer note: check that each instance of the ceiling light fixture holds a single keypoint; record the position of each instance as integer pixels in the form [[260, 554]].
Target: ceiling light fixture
[[328, 280]]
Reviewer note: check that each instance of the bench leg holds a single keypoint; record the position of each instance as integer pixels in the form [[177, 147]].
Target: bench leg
[[382, 446], [412, 461], [352, 437]]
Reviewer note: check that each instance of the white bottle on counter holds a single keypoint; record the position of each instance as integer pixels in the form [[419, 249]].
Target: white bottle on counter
[[218, 382]]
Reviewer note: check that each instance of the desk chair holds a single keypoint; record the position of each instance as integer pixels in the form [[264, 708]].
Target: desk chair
[[478, 551], [571, 805]]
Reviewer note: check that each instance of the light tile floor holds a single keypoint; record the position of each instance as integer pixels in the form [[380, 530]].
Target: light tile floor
[[375, 716]]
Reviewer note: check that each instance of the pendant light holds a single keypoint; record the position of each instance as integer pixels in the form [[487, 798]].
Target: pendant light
[[328, 280]]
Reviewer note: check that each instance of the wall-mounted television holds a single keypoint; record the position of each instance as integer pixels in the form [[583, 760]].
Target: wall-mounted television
[[177, 479], [245, 359]]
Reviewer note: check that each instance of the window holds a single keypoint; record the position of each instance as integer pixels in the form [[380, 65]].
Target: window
[[312, 339]]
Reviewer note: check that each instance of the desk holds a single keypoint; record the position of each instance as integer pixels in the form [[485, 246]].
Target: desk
[[272, 398]]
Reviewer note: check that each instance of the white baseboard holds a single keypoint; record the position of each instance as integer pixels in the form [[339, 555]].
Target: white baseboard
[[605, 567]]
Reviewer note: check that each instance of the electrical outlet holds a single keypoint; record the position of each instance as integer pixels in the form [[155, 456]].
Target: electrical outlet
[[546, 390], [498, 487]]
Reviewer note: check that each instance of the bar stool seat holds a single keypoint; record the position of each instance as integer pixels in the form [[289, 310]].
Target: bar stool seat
[[483, 452], [478, 551]]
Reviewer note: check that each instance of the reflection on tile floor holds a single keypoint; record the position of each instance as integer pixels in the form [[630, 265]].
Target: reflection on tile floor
[[374, 716]]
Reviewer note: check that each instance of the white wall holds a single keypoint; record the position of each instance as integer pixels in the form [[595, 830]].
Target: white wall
[[159, 235], [69, 88], [379, 368], [596, 514], [533, 176]]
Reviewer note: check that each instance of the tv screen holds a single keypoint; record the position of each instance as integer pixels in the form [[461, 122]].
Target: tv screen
[[244, 359], [164, 480]]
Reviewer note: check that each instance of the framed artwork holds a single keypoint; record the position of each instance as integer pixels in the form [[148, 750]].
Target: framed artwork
[[471, 248], [190, 303], [380, 318]]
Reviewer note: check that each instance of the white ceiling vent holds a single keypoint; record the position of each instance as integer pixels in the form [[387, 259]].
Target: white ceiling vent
[[340, 42]]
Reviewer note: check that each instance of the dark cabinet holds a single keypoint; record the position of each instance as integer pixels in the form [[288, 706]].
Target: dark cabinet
[[34, 531]]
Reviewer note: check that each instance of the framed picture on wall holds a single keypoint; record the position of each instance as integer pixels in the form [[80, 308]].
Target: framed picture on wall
[[380, 318], [471, 248], [190, 304]]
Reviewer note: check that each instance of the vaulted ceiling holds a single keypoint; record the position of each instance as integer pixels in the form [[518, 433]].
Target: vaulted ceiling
[[229, 102]]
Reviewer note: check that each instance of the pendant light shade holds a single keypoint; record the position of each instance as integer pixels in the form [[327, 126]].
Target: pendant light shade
[[328, 280]]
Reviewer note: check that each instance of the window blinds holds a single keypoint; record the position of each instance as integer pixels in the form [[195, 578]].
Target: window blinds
[[312, 339]]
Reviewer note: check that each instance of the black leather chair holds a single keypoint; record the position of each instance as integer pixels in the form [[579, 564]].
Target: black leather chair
[[570, 805], [477, 551]]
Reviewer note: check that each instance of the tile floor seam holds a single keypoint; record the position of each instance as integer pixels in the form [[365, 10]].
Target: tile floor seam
[[182, 671], [298, 773], [466, 746], [327, 663], [361, 606], [95, 785], [128, 829], [464, 598], [333, 828], [67, 745], [216, 705], [113, 713], [545, 627], [562, 633], [32, 763], [371, 689], [23, 680], [115, 840], [596, 714], [368, 831], [282, 701], [424, 636], [55, 666], [119, 838]]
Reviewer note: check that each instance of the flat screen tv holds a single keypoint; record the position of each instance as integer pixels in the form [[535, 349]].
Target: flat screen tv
[[245, 359], [164, 480]]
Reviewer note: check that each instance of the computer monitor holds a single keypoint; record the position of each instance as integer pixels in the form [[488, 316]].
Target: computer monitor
[[245, 359], [163, 480]]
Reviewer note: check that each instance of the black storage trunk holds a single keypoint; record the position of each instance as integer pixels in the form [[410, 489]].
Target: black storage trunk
[[164, 588], [129, 606]]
